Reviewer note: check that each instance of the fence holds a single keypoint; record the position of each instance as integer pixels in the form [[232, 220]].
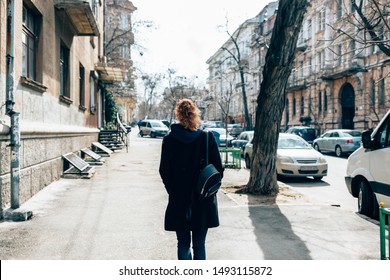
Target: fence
[[384, 214], [231, 157]]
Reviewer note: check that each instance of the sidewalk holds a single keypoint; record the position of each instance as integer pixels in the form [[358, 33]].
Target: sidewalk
[[118, 214]]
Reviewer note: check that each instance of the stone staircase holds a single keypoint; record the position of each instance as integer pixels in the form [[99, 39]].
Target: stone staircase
[[112, 139]]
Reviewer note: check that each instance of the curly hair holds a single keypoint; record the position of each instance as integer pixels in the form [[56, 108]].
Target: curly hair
[[188, 114]]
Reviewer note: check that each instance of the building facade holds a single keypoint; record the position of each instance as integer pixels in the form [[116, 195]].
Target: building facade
[[337, 81], [53, 85], [224, 75], [119, 37]]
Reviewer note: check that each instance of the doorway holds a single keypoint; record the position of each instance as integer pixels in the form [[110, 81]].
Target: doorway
[[347, 106]]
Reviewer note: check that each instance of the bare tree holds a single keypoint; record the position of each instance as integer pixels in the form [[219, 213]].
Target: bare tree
[[272, 96], [150, 84], [242, 66]]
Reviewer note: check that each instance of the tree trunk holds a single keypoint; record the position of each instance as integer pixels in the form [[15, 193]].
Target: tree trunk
[[248, 121], [271, 99]]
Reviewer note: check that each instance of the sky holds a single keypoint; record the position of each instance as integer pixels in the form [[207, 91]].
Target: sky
[[186, 33]]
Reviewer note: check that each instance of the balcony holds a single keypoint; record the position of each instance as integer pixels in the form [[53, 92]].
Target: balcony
[[79, 13], [347, 70], [296, 84], [109, 74]]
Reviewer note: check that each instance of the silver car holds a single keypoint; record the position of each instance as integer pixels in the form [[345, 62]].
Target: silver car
[[338, 141], [295, 158], [153, 128], [223, 139]]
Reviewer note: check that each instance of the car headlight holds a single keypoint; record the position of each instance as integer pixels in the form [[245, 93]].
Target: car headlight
[[322, 160], [285, 159]]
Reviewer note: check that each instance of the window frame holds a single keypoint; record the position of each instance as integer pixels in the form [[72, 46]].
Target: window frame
[[30, 29]]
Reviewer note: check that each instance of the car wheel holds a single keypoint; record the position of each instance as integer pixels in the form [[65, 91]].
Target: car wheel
[[247, 162], [318, 178], [317, 148], [152, 135], [338, 151], [365, 199], [141, 134]]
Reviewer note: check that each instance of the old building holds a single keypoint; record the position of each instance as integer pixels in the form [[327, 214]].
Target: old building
[[224, 75], [340, 79], [53, 96], [337, 82], [224, 82], [119, 37]]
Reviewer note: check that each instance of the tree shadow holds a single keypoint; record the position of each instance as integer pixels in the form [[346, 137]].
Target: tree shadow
[[274, 233]]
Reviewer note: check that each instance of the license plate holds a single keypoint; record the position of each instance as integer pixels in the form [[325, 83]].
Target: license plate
[[308, 168]]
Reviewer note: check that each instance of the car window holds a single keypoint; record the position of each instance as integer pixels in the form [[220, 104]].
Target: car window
[[292, 143], [355, 133], [384, 137], [157, 124], [309, 131]]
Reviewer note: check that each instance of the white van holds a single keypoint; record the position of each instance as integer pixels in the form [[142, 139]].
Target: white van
[[368, 170]]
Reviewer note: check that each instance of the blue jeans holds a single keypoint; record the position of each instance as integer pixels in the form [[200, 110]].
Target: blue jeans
[[198, 244]]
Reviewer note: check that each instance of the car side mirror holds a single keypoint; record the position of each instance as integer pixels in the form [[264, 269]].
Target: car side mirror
[[366, 139]]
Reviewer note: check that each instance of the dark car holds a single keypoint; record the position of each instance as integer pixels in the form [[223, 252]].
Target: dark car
[[242, 140], [307, 133], [234, 129]]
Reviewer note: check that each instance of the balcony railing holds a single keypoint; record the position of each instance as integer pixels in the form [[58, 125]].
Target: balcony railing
[[80, 14]]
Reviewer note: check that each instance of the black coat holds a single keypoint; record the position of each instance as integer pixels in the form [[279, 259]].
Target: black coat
[[182, 157]]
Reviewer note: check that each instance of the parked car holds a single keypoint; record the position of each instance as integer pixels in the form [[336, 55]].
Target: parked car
[[295, 158], [213, 124], [153, 128], [234, 129], [225, 140], [307, 133], [242, 140], [368, 170], [338, 141]]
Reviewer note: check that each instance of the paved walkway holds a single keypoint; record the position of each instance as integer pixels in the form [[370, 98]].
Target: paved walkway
[[118, 214]]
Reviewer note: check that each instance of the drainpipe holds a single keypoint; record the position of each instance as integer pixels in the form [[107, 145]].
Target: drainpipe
[[14, 129]]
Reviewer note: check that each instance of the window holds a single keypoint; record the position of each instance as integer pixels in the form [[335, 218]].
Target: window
[[381, 91], [81, 86], [321, 20], [372, 93], [92, 92], [310, 65], [339, 9], [64, 71], [309, 28], [294, 107], [338, 55], [383, 137], [302, 106], [29, 42], [325, 103], [319, 102], [124, 21], [301, 69]]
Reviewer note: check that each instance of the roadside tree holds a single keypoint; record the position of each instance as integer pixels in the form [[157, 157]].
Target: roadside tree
[[272, 97]]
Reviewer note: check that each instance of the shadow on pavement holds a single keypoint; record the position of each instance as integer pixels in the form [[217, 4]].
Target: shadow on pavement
[[275, 235]]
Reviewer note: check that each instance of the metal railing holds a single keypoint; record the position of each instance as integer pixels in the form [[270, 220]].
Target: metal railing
[[231, 157], [384, 214]]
